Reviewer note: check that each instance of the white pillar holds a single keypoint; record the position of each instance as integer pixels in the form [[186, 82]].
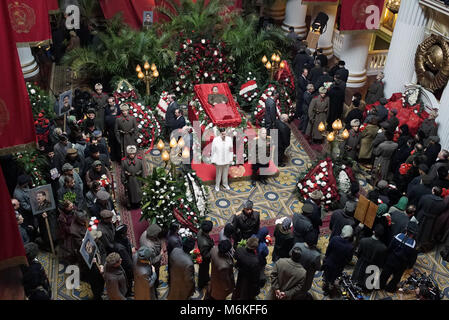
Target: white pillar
[[354, 53], [443, 119], [409, 32], [295, 16], [27, 61], [325, 40]]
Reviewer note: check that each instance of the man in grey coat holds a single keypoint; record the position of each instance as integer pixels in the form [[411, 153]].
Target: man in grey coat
[[125, 129], [384, 152], [310, 260], [182, 272], [288, 277], [375, 90]]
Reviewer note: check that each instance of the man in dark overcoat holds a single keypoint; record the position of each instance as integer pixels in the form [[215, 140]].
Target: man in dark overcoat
[[125, 129], [247, 262], [132, 169], [247, 222], [222, 281], [182, 272], [205, 245]]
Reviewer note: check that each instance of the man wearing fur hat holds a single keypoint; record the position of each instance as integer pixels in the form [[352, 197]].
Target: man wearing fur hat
[[125, 128], [283, 239], [341, 218], [315, 200], [348, 147], [338, 254], [107, 229], [132, 168], [115, 278], [247, 262], [318, 112], [222, 281], [247, 222], [101, 100], [144, 275], [302, 224]]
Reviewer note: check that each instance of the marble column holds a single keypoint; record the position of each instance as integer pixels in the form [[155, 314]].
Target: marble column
[[29, 66], [295, 16], [409, 32], [443, 119], [325, 40], [354, 52]]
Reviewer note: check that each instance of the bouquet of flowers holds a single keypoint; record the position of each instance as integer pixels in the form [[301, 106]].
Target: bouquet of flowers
[[42, 125], [104, 181], [34, 164], [93, 224], [196, 256], [320, 177], [268, 240], [242, 243]]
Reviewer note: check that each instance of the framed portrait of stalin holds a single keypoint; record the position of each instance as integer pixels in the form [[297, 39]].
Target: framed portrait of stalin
[[65, 103], [147, 19], [42, 199]]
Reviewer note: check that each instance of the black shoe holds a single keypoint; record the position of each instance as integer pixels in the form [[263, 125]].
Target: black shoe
[[263, 181]]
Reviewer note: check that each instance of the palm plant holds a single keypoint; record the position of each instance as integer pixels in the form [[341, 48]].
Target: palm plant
[[249, 46], [190, 18], [119, 52]]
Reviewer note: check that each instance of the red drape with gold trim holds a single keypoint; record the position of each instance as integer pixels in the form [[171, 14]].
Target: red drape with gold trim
[[357, 15], [29, 20], [16, 120]]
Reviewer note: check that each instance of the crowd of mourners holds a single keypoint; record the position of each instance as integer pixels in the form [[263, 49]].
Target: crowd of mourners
[[410, 176]]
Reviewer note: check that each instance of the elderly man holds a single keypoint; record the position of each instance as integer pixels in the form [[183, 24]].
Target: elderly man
[[375, 90], [302, 225], [288, 277], [132, 168], [310, 260], [216, 98], [222, 155], [115, 278], [348, 147], [284, 138], [108, 230], [384, 152], [247, 222], [101, 100], [125, 128], [70, 187], [318, 111], [67, 171]]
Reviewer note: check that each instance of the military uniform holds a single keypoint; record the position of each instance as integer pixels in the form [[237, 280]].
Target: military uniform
[[101, 101], [318, 111], [133, 186], [125, 131]]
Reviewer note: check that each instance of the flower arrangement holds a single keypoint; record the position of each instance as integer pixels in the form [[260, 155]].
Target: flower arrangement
[[104, 181], [320, 177], [196, 256], [249, 91], [268, 240], [124, 92], [40, 101], [202, 60], [167, 200], [148, 125], [70, 196], [93, 224], [163, 104], [242, 243], [42, 126], [33, 163]]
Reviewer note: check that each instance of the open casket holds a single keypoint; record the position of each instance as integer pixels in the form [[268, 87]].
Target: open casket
[[221, 115]]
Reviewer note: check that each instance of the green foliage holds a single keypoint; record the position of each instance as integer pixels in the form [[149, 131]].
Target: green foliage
[[118, 54], [248, 46], [70, 196], [40, 101], [33, 163]]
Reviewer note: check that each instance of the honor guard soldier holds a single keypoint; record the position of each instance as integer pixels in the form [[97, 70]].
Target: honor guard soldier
[[125, 129], [132, 167]]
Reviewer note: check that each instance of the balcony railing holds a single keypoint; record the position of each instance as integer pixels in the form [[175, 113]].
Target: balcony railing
[[376, 62]]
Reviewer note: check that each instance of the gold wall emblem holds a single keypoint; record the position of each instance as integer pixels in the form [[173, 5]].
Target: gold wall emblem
[[4, 116], [22, 17], [432, 63]]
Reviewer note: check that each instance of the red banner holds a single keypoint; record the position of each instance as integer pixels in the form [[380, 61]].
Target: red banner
[[132, 11], [12, 252], [319, 1], [52, 6], [16, 121], [29, 20], [356, 15]]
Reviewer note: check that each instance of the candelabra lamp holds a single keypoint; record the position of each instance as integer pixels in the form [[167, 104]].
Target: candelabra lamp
[[334, 137], [274, 66], [148, 74]]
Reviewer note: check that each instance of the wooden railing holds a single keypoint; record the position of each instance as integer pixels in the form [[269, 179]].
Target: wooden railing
[[376, 62]]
